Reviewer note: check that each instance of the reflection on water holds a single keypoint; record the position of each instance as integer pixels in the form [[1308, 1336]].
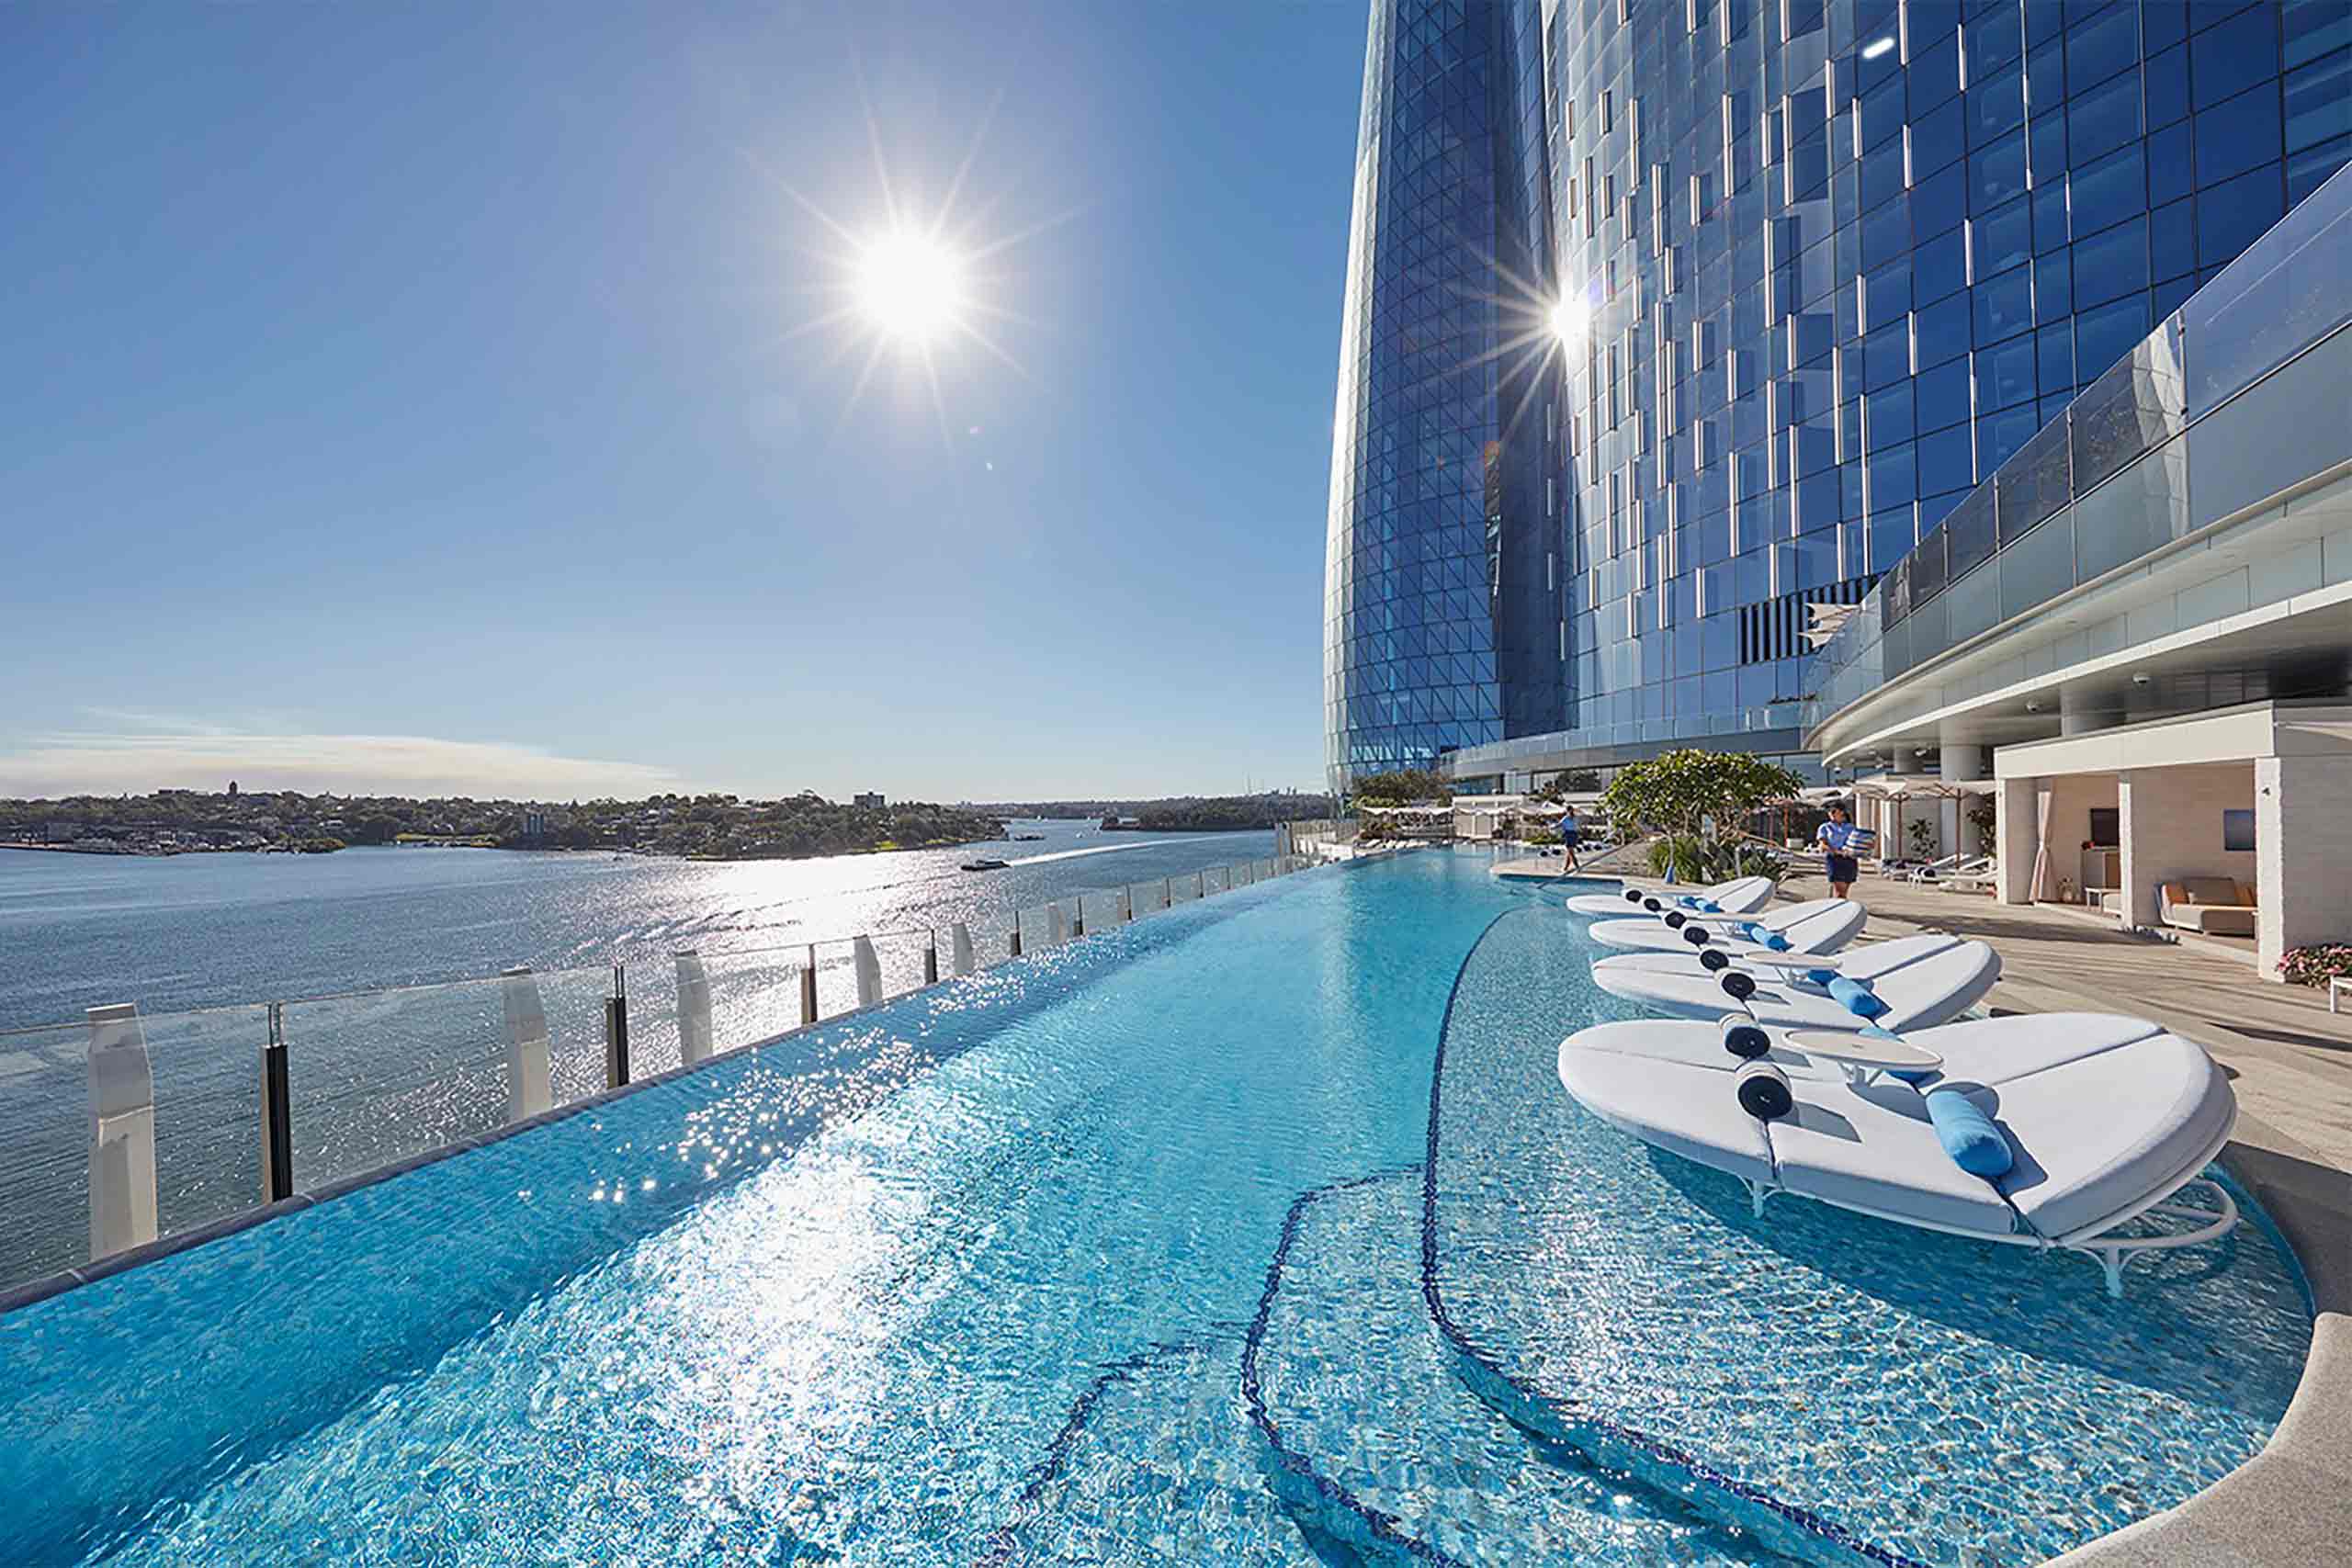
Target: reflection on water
[[197, 941]]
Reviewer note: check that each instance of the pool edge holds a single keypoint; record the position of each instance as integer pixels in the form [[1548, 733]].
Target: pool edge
[[2291, 1503], [31, 1293]]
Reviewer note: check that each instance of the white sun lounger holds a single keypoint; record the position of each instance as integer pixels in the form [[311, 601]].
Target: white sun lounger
[[1740, 896], [2106, 1118], [1924, 980], [1817, 926]]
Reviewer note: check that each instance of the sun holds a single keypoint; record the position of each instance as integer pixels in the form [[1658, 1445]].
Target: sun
[[910, 286], [1570, 317]]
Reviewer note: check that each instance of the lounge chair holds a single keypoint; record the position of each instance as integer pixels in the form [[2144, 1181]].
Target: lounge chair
[[2103, 1119], [1816, 927], [1740, 896], [2215, 906], [1952, 866], [1913, 981]]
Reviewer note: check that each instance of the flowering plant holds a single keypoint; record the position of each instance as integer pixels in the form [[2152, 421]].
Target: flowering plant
[[2313, 966]]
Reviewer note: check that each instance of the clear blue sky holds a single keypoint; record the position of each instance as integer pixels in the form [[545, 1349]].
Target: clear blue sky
[[417, 396]]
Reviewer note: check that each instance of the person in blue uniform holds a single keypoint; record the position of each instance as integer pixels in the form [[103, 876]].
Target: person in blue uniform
[[1840, 840]]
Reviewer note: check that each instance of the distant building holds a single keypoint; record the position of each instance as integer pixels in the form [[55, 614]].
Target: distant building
[[535, 825], [869, 801], [61, 832], [233, 789]]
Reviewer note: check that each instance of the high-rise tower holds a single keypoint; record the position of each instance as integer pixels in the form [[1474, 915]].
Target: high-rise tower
[[1442, 603]]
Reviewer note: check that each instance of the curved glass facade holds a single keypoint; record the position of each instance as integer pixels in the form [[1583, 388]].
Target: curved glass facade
[[1442, 601], [1841, 258]]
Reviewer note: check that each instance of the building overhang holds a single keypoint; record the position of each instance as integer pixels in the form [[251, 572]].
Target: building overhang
[[2241, 734]]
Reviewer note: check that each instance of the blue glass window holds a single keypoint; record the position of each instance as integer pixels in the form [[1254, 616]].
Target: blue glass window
[[2048, 138], [2053, 291], [2309, 169], [2171, 165], [1882, 112], [1944, 329], [1889, 294], [2162, 23], [1886, 231], [2231, 56], [2054, 356], [1940, 395], [2109, 191], [2309, 28], [2231, 214], [1994, 39], [2004, 306], [1882, 174], [1998, 172], [1893, 475], [2005, 376], [1936, 138], [1891, 537], [1934, 74], [1940, 201], [1887, 416], [2111, 263], [1996, 104], [2172, 240], [2101, 46], [2233, 137], [2003, 434], [2318, 101], [1887, 356], [1947, 461], [2166, 80], [2105, 335], [2104, 119], [2003, 239], [2045, 76]]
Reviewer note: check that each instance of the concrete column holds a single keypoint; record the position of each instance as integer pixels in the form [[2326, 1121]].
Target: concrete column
[[959, 939], [122, 1131], [529, 1087], [2017, 838], [1962, 763], [2303, 843], [694, 1008], [869, 971]]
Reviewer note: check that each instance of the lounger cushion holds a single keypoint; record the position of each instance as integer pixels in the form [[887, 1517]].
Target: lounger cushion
[[1994, 1051], [1968, 1134], [1740, 896], [1685, 1110], [1873, 1148], [1925, 981], [2097, 1135], [1690, 1043]]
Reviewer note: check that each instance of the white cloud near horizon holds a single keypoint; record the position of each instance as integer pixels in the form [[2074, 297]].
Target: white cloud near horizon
[[153, 752]]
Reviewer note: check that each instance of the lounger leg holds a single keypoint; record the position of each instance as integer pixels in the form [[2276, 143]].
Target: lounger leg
[[2110, 1258], [1757, 1193]]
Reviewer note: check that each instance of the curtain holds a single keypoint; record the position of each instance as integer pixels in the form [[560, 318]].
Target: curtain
[[2044, 790]]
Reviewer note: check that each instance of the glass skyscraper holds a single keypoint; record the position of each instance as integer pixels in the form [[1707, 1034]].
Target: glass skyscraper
[[1829, 263]]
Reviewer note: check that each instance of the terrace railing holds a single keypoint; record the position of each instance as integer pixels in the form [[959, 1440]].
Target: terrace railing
[[152, 1125]]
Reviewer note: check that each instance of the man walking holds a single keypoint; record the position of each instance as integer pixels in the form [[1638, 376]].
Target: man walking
[[1840, 840]]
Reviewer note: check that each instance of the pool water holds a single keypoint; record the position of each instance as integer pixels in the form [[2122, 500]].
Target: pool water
[[1136, 1252]]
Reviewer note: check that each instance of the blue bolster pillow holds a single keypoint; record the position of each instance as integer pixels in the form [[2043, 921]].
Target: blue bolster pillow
[[1777, 941], [1857, 998], [1822, 977], [1750, 930], [1968, 1134], [1707, 906]]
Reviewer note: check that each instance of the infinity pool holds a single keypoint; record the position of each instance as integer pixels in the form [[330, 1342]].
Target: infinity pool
[[1183, 1244]]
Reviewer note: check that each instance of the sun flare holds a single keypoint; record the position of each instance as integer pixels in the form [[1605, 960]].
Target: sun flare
[[910, 286]]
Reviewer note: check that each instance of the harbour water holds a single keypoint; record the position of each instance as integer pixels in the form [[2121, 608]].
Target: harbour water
[[387, 958], [210, 929]]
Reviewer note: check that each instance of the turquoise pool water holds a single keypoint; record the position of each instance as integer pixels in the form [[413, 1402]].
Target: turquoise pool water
[[1170, 1245]]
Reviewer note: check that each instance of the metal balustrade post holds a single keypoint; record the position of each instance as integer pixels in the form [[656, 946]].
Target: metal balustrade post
[[1077, 916], [616, 1031], [277, 1112], [869, 970], [959, 939], [1127, 906], [1167, 893], [694, 1008], [531, 1087], [1016, 934], [122, 1131], [931, 958], [809, 989]]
